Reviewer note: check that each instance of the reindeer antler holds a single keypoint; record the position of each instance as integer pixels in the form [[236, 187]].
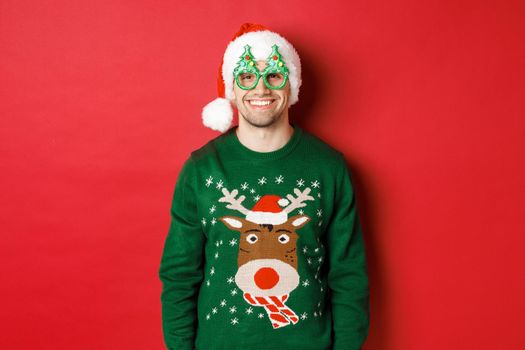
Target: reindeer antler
[[235, 204], [298, 202]]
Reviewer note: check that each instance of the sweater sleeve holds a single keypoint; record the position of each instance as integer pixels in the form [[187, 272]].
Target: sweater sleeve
[[181, 270], [347, 268]]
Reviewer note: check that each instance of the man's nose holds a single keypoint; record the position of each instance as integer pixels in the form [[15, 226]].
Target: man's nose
[[261, 86]]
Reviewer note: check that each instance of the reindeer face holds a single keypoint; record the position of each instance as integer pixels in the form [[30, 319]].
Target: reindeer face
[[267, 257]]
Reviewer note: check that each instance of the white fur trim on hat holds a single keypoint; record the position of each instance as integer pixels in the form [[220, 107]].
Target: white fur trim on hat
[[261, 43], [262, 217], [218, 114]]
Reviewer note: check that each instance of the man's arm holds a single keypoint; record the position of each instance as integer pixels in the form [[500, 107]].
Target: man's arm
[[347, 269], [181, 270]]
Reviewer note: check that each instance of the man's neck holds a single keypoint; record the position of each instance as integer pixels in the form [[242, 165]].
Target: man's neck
[[267, 139]]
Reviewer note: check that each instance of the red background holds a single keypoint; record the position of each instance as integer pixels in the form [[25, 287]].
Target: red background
[[100, 105]]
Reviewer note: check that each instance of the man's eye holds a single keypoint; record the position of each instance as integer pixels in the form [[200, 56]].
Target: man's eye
[[273, 76], [247, 76]]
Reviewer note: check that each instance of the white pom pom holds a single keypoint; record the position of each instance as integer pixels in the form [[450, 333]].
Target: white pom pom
[[283, 202], [218, 114]]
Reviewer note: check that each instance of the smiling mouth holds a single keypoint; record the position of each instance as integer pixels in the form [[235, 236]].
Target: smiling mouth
[[261, 104]]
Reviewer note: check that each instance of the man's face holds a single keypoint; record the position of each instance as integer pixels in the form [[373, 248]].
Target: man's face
[[261, 106]]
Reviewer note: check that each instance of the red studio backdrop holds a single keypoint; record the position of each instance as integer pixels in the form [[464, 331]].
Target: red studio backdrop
[[100, 104]]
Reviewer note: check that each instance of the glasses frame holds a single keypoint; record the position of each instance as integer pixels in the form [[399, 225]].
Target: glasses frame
[[258, 76], [246, 65]]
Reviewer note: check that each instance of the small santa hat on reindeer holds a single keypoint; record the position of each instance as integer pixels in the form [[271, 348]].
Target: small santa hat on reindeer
[[268, 210], [218, 114]]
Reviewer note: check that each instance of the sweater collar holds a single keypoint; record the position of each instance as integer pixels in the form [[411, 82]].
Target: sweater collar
[[245, 152]]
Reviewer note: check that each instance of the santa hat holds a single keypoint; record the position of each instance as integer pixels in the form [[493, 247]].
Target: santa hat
[[218, 114], [268, 210]]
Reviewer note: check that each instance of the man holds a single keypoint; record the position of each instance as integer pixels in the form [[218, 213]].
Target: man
[[265, 248]]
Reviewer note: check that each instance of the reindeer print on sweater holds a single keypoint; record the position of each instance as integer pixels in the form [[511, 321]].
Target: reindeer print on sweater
[[265, 228]]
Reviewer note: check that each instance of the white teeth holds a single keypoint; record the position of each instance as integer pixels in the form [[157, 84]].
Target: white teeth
[[260, 103]]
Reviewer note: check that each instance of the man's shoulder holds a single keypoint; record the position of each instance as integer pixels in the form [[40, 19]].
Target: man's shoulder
[[210, 148], [321, 149]]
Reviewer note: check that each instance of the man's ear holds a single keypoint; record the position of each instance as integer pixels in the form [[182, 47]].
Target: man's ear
[[234, 88]]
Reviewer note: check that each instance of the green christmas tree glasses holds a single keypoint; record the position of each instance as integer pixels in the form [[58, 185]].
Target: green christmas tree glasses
[[247, 76]]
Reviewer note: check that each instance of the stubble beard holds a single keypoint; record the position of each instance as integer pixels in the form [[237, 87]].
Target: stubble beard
[[260, 122]]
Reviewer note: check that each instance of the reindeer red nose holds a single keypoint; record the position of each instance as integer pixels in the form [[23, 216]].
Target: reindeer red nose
[[266, 278]]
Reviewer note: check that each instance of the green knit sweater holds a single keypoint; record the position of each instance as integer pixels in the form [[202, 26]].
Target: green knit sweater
[[264, 250]]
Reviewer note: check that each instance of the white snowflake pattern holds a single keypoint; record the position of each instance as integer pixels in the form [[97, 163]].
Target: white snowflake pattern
[[319, 304], [203, 221], [300, 183], [212, 271], [233, 292], [233, 242], [261, 181], [233, 309], [217, 243], [244, 186], [279, 179], [249, 310], [301, 212], [208, 316], [209, 181], [213, 221], [220, 242], [319, 212], [216, 255], [219, 184], [306, 283], [305, 249], [260, 315], [252, 191], [214, 310], [320, 223], [234, 321], [319, 195], [212, 209], [315, 313], [223, 303], [316, 250], [256, 198], [309, 261], [315, 184], [304, 316], [207, 283], [320, 259], [230, 280]]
